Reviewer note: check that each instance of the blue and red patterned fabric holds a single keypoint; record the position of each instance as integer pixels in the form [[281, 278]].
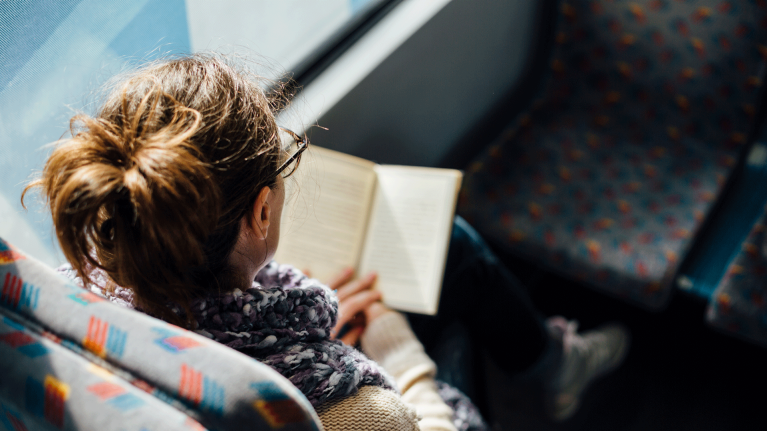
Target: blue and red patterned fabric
[[609, 175], [47, 386], [739, 303], [73, 360]]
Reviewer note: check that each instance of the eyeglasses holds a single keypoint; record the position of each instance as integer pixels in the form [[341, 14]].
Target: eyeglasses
[[292, 146]]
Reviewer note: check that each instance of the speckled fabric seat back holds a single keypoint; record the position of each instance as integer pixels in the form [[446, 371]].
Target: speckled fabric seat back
[[739, 304], [609, 175]]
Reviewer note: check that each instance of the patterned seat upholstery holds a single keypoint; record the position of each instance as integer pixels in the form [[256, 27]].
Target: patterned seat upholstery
[[739, 303], [72, 360], [609, 175]]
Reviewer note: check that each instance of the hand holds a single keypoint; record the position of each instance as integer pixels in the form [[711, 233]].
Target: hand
[[358, 304], [375, 310]]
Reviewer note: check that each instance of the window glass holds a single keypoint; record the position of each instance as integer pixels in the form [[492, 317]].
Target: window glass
[[280, 32], [54, 55]]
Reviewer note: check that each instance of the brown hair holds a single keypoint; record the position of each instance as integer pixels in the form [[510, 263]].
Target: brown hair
[[153, 187]]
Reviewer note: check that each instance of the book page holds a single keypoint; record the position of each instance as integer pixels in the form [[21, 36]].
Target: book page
[[409, 233], [326, 210]]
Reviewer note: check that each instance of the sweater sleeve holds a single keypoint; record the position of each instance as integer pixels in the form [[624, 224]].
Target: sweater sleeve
[[389, 341], [372, 408]]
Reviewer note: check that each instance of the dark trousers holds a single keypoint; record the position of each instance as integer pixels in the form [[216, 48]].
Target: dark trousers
[[482, 306]]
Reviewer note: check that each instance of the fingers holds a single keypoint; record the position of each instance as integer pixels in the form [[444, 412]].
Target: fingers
[[353, 336], [375, 310], [354, 297], [355, 304], [350, 288], [341, 278]]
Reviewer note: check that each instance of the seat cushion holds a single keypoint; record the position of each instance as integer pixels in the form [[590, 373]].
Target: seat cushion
[[217, 386], [46, 386], [601, 207], [739, 303]]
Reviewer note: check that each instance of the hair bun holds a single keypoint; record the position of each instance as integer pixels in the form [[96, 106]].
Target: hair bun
[[127, 189], [154, 195]]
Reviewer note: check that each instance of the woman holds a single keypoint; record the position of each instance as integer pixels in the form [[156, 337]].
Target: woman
[[169, 201]]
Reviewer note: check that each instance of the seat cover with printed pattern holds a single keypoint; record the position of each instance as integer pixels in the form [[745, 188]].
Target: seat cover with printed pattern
[[610, 174], [739, 304]]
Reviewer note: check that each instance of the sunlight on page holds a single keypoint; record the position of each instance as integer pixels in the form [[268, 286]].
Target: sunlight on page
[[325, 213], [408, 235]]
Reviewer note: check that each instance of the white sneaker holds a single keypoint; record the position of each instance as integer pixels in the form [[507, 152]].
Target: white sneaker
[[585, 357]]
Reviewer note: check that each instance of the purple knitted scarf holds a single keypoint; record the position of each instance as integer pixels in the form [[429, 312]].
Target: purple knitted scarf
[[283, 320]]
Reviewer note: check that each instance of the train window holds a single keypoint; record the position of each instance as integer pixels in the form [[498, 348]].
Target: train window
[[289, 34], [54, 58]]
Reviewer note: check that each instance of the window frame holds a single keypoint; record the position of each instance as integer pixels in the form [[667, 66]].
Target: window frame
[[336, 45]]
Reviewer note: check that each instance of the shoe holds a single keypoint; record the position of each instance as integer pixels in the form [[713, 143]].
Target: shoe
[[585, 357]]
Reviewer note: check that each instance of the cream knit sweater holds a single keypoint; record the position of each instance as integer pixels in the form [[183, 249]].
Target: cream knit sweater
[[389, 341]]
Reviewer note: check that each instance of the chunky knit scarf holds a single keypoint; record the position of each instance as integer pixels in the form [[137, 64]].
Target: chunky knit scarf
[[283, 320]]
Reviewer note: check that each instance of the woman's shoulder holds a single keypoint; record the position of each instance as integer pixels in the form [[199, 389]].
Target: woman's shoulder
[[371, 408]]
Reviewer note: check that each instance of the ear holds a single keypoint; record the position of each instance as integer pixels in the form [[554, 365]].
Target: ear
[[262, 214]]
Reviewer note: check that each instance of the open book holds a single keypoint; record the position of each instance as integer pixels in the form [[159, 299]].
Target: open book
[[342, 211]]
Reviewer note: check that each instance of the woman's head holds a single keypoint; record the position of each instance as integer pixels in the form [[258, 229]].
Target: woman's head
[[158, 186]]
